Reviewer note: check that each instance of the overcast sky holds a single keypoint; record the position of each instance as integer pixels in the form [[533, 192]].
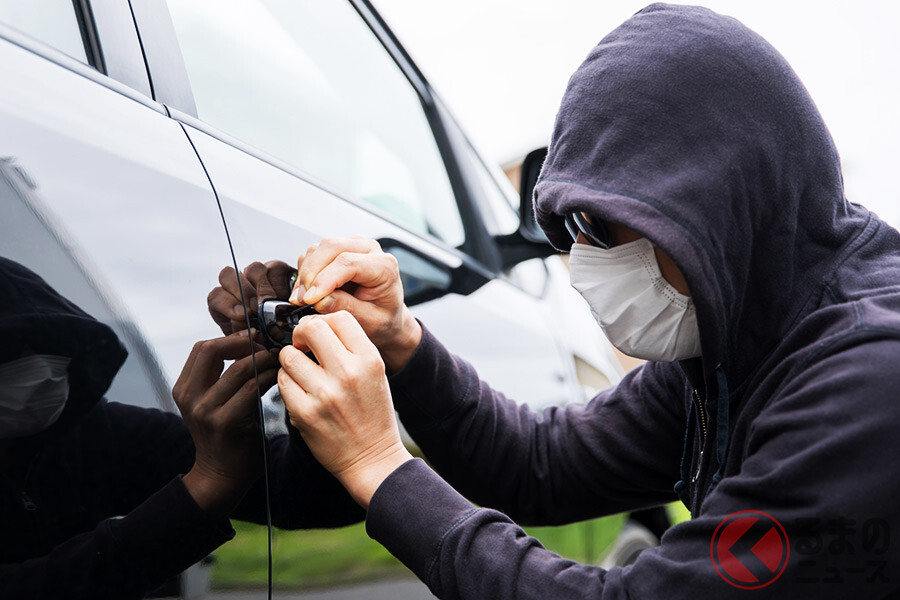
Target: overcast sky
[[502, 66]]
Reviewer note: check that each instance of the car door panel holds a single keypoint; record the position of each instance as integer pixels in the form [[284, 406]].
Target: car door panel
[[115, 192]]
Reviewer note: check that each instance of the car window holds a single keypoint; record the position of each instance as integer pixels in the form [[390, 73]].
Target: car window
[[53, 22], [309, 83], [502, 216]]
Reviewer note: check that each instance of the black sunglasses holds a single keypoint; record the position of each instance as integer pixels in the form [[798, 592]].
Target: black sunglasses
[[595, 233], [277, 320]]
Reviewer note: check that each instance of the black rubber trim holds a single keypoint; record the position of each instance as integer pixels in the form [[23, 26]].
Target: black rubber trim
[[89, 38]]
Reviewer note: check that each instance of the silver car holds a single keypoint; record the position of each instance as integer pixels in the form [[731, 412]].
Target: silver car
[[145, 145]]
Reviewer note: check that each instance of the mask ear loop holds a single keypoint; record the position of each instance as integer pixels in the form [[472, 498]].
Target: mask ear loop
[[259, 405]]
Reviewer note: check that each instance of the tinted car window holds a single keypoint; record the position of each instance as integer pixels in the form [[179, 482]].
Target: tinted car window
[[51, 21], [308, 83]]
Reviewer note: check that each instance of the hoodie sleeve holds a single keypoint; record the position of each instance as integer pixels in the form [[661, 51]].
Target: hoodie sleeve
[[122, 557], [817, 454], [619, 452]]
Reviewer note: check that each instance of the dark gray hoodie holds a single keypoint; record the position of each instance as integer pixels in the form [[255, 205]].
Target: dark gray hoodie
[[689, 128]]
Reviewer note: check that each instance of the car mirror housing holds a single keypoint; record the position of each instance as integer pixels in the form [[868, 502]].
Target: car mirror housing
[[529, 240], [531, 169], [425, 278]]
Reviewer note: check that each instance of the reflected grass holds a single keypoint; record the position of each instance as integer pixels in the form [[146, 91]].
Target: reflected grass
[[328, 557]]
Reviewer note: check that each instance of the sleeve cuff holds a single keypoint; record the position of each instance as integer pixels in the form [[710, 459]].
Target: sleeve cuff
[[412, 511], [419, 361]]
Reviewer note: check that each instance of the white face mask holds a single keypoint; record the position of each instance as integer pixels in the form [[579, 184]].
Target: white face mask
[[638, 310], [33, 393]]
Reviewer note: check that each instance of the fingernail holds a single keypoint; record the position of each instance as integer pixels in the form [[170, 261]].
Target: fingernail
[[238, 309], [309, 295], [295, 295], [325, 304]]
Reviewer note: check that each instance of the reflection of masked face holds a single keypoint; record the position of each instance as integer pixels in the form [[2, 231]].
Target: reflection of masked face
[[33, 393], [640, 312]]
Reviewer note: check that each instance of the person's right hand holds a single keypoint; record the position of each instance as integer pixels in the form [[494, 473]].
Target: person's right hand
[[260, 281], [356, 275], [220, 411]]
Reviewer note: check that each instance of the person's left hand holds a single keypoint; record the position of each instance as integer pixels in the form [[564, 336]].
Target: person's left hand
[[342, 406], [260, 281], [220, 412]]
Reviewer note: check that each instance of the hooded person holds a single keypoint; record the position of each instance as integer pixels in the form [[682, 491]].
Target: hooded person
[[770, 405], [92, 501]]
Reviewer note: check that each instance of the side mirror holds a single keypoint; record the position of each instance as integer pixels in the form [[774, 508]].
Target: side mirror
[[425, 277], [529, 240], [531, 169]]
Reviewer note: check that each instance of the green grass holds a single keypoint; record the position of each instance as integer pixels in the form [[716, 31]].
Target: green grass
[[326, 557], [302, 559]]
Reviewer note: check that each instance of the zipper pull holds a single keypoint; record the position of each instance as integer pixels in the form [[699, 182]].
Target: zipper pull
[[27, 502], [699, 466]]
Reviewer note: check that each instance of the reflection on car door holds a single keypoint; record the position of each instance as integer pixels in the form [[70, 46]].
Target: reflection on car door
[[103, 198]]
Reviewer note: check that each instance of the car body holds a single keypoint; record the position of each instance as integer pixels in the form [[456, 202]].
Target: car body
[[144, 147]]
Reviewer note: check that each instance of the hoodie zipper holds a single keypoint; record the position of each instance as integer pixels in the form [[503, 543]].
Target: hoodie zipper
[[701, 417]]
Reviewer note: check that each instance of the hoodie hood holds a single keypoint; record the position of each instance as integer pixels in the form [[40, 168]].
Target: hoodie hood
[[689, 128], [35, 317]]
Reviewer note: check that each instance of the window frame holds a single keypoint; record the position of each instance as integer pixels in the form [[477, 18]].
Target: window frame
[[171, 87]]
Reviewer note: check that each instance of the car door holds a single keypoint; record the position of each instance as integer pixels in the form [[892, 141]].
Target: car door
[[103, 198], [311, 124]]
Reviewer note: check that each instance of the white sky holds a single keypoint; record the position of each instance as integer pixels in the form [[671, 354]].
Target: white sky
[[502, 67]]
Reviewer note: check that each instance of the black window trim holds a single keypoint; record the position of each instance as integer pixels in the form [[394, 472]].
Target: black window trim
[[88, 30]]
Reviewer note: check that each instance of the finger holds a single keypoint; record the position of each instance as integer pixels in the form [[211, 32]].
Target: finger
[[315, 333], [342, 300], [301, 370], [244, 403], [186, 370], [296, 399], [366, 270], [234, 284], [280, 274], [350, 333], [325, 252], [255, 273], [299, 287], [209, 359], [239, 377], [223, 302], [263, 279]]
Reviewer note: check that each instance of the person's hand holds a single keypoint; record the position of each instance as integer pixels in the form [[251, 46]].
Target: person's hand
[[220, 411], [342, 406], [356, 275], [260, 281]]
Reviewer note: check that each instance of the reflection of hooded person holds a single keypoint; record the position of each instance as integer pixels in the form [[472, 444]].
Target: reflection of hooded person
[[776, 388], [71, 463]]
